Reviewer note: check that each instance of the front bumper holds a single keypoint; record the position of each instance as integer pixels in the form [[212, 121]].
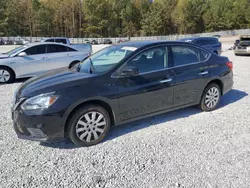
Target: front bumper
[[42, 128]]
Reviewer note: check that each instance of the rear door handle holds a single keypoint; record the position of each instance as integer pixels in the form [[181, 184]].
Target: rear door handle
[[166, 80], [203, 73], [45, 57]]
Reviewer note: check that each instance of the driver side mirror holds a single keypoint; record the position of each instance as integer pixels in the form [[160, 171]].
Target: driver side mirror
[[130, 71], [22, 54]]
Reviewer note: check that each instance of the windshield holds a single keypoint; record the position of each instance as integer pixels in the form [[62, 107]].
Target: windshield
[[105, 59], [245, 43], [14, 51]]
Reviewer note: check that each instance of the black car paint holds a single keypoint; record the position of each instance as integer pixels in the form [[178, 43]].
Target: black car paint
[[126, 98]]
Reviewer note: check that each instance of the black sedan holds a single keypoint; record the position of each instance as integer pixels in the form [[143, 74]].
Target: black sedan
[[116, 85]]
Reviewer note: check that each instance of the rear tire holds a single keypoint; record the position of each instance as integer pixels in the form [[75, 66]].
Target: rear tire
[[89, 125], [6, 75], [210, 97], [72, 64]]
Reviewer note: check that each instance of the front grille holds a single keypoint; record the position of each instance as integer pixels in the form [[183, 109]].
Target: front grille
[[36, 133]]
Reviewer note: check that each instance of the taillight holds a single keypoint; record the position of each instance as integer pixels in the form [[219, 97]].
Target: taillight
[[230, 65]]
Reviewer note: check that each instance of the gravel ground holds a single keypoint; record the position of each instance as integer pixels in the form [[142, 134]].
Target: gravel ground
[[186, 148]]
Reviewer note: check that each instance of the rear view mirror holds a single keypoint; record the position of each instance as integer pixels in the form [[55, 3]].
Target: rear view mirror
[[130, 71], [22, 54]]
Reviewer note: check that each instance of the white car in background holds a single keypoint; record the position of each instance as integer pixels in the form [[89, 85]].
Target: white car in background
[[37, 58]]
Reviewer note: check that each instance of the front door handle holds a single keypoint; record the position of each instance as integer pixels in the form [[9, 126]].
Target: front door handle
[[45, 57], [203, 73], [166, 80]]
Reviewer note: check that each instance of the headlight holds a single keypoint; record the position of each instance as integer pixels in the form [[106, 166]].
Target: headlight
[[39, 102]]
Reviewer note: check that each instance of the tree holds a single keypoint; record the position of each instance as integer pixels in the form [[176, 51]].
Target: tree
[[158, 20]]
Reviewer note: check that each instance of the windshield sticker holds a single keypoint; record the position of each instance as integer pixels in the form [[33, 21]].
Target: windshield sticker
[[129, 48]]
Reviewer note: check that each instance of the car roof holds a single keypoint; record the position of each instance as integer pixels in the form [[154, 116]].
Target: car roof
[[194, 38], [40, 43], [54, 38], [142, 43]]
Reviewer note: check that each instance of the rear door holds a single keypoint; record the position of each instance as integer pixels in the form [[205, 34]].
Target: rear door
[[57, 56], [190, 73], [150, 91]]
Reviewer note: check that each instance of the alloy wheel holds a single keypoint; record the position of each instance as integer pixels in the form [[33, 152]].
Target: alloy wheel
[[4, 76], [212, 97], [91, 126]]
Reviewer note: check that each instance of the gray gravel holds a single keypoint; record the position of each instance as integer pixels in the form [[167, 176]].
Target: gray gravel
[[185, 148]]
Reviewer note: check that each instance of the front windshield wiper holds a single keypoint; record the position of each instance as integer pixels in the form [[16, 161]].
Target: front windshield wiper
[[92, 68]]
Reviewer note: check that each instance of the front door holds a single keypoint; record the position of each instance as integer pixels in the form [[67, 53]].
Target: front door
[[150, 91], [190, 74], [33, 62]]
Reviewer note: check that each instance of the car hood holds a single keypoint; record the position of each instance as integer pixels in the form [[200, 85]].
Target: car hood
[[4, 56], [52, 81]]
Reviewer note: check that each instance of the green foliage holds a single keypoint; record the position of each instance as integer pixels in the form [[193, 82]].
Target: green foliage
[[115, 18]]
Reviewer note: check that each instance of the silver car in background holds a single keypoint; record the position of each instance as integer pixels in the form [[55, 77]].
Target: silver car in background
[[37, 58]]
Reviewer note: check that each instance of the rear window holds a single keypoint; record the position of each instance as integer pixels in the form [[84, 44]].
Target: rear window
[[203, 42]]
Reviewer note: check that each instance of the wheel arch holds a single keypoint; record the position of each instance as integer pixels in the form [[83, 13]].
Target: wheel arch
[[99, 102], [218, 82], [5, 66], [74, 62]]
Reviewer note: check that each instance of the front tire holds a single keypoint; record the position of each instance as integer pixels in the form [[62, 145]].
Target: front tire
[[6, 75], [89, 125], [210, 97]]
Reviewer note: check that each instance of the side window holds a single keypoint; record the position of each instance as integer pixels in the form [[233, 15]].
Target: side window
[[36, 50], [212, 41], [53, 48], [203, 55], [63, 41], [50, 40], [150, 60], [184, 55], [203, 42], [70, 49]]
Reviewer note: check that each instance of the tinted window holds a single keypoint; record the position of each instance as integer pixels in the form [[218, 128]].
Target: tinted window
[[183, 55], [150, 60], [53, 48], [203, 55], [208, 42], [50, 40], [61, 41], [35, 50]]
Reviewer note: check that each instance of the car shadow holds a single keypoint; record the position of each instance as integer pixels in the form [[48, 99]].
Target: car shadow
[[117, 131], [20, 80]]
